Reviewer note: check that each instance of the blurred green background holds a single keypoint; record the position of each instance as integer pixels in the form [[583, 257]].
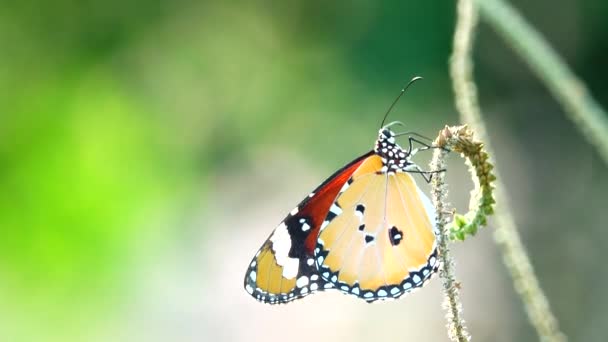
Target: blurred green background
[[148, 149]]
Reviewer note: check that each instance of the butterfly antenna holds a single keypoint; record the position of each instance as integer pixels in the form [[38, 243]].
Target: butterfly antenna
[[398, 97]]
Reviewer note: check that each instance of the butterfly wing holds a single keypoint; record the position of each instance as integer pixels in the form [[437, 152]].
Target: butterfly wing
[[283, 269], [378, 240]]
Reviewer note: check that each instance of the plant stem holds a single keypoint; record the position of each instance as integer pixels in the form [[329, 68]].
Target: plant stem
[[456, 328], [567, 89], [506, 236]]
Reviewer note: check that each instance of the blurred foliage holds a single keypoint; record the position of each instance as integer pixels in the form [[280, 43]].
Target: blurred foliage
[[75, 190], [116, 118]]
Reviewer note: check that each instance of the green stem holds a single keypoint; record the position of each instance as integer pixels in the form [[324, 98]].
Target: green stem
[[456, 329], [507, 238], [567, 89]]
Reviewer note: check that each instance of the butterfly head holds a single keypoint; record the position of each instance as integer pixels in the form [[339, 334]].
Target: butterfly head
[[385, 134], [393, 156]]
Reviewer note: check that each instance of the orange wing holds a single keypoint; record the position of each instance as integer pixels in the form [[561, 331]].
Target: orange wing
[[284, 269], [378, 240]]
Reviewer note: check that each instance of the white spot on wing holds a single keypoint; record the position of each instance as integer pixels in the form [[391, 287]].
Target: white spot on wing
[[359, 215], [320, 259], [249, 289], [281, 244], [302, 281], [335, 209], [324, 224], [294, 211], [290, 270]]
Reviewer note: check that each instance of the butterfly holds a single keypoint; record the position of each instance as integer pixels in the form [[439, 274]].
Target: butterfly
[[367, 231]]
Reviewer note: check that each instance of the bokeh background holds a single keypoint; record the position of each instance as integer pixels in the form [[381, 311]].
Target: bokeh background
[[148, 149]]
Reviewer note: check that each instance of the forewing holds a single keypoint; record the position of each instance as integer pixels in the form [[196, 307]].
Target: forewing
[[378, 240], [284, 269]]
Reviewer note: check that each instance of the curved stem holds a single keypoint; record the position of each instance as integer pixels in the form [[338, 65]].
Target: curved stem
[[567, 89], [506, 236], [456, 328]]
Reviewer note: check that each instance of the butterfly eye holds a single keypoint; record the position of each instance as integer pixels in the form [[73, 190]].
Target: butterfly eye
[[387, 133]]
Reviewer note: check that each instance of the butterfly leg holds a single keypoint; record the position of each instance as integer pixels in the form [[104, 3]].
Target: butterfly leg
[[426, 146], [427, 175]]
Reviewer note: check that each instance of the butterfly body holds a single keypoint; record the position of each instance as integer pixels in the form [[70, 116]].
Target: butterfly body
[[367, 231]]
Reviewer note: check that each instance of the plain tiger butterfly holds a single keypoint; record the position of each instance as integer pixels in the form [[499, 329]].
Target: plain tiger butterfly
[[367, 231]]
